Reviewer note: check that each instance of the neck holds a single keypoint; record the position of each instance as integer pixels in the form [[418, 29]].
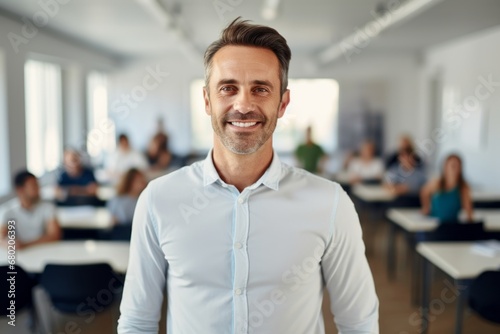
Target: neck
[[241, 170], [450, 182], [26, 203]]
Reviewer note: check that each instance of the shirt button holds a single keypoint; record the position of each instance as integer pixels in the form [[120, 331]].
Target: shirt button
[[238, 292], [240, 200], [238, 245]]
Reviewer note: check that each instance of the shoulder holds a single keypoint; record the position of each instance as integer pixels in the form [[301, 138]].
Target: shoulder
[[45, 206], [181, 178], [10, 207], [306, 181]]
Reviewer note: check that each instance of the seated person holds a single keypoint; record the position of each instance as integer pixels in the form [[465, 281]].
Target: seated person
[[123, 159], [157, 154], [445, 196], [129, 188], [405, 144], [407, 177], [365, 167], [35, 220], [76, 184], [310, 155]]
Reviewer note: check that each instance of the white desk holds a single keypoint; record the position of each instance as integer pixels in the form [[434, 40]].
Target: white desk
[[373, 193], [411, 220], [33, 259], [84, 217], [104, 193], [377, 193], [458, 261]]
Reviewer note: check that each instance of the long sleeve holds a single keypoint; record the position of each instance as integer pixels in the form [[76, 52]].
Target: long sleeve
[[145, 281], [347, 275]]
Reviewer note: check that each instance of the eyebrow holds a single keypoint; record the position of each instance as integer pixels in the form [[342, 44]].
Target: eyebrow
[[254, 82]]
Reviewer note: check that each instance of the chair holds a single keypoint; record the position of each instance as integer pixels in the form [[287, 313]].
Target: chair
[[87, 295], [456, 232], [406, 201], [121, 232], [484, 296], [23, 300]]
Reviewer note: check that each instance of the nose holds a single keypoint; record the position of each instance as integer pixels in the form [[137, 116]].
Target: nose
[[244, 103]]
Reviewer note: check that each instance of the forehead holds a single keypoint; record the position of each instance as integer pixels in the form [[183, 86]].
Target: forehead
[[248, 62]]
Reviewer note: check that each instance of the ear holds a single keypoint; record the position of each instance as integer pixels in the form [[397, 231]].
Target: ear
[[206, 98], [285, 100]]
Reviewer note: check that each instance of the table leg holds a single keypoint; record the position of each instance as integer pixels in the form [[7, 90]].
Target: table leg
[[462, 298], [416, 272], [391, 252], [427, 278]]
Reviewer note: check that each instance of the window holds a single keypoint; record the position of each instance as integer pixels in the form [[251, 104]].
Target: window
[[43, 116], [4, 139], [314, 102], [101, 135]]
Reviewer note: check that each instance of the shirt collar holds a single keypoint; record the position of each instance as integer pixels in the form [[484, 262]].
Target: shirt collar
[[270, 178]]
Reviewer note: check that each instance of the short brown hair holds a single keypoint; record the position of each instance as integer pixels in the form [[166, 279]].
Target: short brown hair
[[241, 32]]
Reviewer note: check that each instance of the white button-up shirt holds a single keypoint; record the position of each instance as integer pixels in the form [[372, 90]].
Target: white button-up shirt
[[249, 262]]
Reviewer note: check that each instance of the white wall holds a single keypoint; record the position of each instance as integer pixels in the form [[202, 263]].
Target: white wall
[[398, 72], [47, 46], [460, 64]]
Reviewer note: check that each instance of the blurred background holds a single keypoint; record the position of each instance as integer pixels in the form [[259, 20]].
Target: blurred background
[[75, 75]]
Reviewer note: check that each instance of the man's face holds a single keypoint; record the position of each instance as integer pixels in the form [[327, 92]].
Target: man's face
[[243, 97], [30, 190]]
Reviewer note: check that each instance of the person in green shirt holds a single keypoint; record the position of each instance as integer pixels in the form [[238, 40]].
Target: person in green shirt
[[309, 154]]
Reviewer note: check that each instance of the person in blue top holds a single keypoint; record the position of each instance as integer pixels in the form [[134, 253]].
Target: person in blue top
[[76, 184], [446, 196]]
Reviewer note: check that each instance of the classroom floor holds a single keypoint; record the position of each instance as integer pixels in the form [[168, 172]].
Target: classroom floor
[[397, 315]]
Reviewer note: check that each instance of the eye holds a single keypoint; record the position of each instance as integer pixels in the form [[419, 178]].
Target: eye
[[261, 90], [228, 89]]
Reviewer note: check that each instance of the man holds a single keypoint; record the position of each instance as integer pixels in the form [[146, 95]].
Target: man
[[407, 177], [35, 220], [124, 158], [242, 242], [76, 184], [310, 155]]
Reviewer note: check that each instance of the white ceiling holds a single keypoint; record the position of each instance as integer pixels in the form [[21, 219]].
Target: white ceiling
[[125, 29]]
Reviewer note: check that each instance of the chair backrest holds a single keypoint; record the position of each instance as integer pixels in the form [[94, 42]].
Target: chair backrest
[[71, 286], [484, 295], [457, 232], [406, 201], [23, 288], [121, 232]]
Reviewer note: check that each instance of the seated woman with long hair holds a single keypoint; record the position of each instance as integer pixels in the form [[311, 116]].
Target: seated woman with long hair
[[122, 207], [446, 196]]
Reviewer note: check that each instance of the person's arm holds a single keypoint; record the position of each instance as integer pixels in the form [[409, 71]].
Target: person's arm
[[346, 273], [145, 281], [466, 198], [425, 196], [52, 233]]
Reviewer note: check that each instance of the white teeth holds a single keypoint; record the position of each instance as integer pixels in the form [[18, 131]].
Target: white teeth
[[243, 124]]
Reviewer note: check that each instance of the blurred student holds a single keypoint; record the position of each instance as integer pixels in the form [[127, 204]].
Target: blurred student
[[35, 220], [124, 158], [158, 154], [405, 144], [366, 167], [445, 196], [129, 188], [76, 184], [407, 176], [310, 155]]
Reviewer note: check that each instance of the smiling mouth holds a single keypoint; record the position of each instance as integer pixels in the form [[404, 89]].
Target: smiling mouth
[[243, 124]]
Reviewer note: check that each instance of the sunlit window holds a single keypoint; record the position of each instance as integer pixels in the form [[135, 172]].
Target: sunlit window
[[43, 116], [4, 138], [100, 138], [314, 102]]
